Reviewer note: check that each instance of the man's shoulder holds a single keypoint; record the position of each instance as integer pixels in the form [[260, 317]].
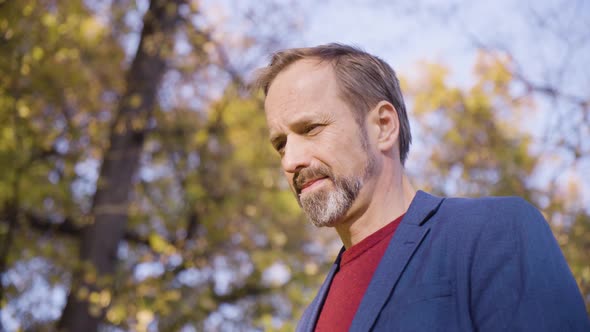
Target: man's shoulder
[[489, 204], [489, 211], [503, 222]]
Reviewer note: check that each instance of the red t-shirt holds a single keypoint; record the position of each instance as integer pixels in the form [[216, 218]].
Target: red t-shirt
[[357, 265]]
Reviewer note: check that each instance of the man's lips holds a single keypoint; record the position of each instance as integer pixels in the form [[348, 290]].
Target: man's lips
[[311, 182]]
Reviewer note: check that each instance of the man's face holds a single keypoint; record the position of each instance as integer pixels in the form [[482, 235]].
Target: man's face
[[322, 147]]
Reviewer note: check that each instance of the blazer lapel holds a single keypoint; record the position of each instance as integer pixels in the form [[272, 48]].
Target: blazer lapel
[[406, 239], [308, 325]]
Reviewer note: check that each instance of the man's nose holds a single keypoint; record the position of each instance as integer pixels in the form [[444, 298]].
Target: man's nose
[[295, 156]]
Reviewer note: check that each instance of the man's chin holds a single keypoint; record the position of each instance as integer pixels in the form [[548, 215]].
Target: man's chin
[[319, 218], [325, 207], [321, 224]]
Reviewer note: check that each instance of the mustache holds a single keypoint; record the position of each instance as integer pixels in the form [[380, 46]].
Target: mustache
[[307, 174]]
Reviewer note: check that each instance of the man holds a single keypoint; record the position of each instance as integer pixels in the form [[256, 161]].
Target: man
[[411, 261]]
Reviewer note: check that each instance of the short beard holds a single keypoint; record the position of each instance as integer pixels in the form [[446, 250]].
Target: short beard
[[325, 207]]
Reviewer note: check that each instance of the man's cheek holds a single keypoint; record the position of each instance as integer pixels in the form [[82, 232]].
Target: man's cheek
[[289, 178]]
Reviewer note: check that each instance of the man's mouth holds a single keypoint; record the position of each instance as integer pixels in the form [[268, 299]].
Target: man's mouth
[[311, 183]]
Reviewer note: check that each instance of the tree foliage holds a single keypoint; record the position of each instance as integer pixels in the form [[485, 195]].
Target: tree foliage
[[166, 214]]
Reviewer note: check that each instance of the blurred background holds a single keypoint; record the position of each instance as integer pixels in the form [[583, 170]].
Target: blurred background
[[138, 190]]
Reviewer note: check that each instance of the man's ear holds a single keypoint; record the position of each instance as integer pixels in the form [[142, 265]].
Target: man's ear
[[384, 126]]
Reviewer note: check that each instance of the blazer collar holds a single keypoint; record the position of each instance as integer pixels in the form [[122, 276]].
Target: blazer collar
[[423, 206], [405, 241]]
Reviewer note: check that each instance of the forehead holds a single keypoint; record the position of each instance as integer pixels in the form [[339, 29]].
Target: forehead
[[304, 87], [307, 77]]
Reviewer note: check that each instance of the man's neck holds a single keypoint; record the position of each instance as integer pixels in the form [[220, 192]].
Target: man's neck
[[391, 197]]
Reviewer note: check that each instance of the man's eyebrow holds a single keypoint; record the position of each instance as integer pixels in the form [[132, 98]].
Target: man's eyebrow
[[298, 124], [305, 120]]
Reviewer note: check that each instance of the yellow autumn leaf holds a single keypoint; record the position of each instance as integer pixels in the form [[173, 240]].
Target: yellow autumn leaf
[[160, 245]]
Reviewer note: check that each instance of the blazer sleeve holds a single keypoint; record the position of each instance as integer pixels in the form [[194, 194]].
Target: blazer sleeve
[[520, 279]]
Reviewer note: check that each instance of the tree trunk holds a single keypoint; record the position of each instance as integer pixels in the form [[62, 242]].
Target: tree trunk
[[86, 307]]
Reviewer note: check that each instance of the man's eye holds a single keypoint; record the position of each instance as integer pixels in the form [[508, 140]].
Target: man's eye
[[280, 147], [313, 128]]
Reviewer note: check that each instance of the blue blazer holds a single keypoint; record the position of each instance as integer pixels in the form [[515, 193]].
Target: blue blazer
[[458, 264]]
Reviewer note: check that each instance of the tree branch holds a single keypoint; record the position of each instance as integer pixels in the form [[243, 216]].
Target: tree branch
[[67, 226]]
